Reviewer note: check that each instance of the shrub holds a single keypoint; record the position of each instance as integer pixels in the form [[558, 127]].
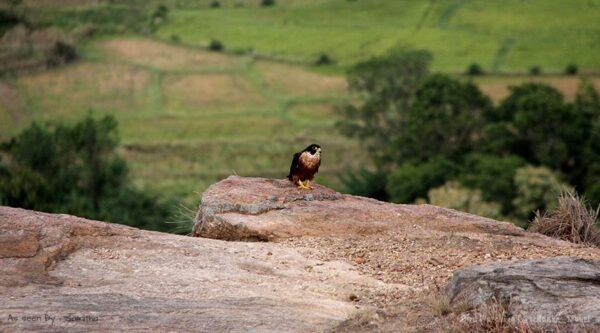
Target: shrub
[[571, 69], [267, 3], [215, 45], [474, 69], [62, 53], [537, 188], [412, 181], [159, 15], [494, 176], [572, 220], [452, 195], [365, 183], [535, 70], [323, 59], [215, 4]]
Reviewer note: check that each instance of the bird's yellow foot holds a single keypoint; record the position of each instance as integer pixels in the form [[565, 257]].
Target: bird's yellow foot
[[308, 185], [301, 185]]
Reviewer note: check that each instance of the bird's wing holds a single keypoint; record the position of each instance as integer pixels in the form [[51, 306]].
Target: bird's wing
[[294, 165]]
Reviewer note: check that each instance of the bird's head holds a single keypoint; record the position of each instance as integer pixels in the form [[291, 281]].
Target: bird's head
[[313, 149]]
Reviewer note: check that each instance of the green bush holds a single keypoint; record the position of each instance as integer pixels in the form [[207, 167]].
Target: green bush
[[411, 181], [365, 183], [215, 4], [215, 45], [61, 53], [267, 3], [571, 69], [535, 70], [323, 59], [474, 69], [494, 176], [537, 189], [452, 195]]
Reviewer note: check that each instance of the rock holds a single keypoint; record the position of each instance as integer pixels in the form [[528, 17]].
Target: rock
[[562, 291], [97, 277], [239, 208], [337, 263]]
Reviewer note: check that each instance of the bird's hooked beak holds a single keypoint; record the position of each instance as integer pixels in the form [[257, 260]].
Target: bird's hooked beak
[[319, 151]]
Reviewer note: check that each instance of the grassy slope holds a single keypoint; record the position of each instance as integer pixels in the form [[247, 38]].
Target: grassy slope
[[505, 36], [190, 117]]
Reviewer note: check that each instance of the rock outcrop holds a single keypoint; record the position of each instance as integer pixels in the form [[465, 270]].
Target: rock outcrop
[[240, 208], [60, 272], [544, 293], [333, 263]]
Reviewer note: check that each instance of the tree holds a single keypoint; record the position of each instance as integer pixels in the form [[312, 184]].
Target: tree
[[76, 170], [444, 121], [411, 181], [549, 130], [493, 176], [387, 87]]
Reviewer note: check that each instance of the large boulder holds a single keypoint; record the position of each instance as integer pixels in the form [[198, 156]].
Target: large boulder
[[63, 273], [240, 208], [335, 263], [544, 293]]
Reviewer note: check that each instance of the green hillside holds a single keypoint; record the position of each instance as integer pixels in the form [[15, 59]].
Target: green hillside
[[187, 117], [502, 36]]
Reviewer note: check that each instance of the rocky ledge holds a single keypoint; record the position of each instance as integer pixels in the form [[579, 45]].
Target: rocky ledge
[[330, 263]]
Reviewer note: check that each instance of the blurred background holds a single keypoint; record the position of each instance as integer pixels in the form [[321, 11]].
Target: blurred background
[[126, 111]]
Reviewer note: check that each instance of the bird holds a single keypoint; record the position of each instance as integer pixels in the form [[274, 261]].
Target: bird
[[305, 164]]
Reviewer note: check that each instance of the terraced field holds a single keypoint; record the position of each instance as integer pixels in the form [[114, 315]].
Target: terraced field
[[190, 117]]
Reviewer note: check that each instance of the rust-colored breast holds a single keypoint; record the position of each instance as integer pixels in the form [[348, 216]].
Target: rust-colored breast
[[308, 165]]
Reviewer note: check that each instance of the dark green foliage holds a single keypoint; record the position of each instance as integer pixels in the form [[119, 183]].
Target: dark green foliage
[[267, 3], [474, 69], [535, 70], [215, 4], [411, 181], [552, 132], [8, 19], [215, 45], [444, 120], [493, 175], [571, 69], [366, 183], [75, 170], [500, 138], [425, 130], [103, 19], [388, 85], [62, 53], [323, 59]]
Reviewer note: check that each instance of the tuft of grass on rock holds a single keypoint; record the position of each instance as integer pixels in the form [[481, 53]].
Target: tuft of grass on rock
[[182, 219], [573, 220]]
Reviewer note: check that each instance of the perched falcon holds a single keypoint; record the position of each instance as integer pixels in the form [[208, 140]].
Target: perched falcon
[[305, 165]]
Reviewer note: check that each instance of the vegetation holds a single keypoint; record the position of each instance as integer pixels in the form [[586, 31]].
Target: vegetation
[[511, 36], [572, 219], [188, 117], [75, 170], [425, 130]]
